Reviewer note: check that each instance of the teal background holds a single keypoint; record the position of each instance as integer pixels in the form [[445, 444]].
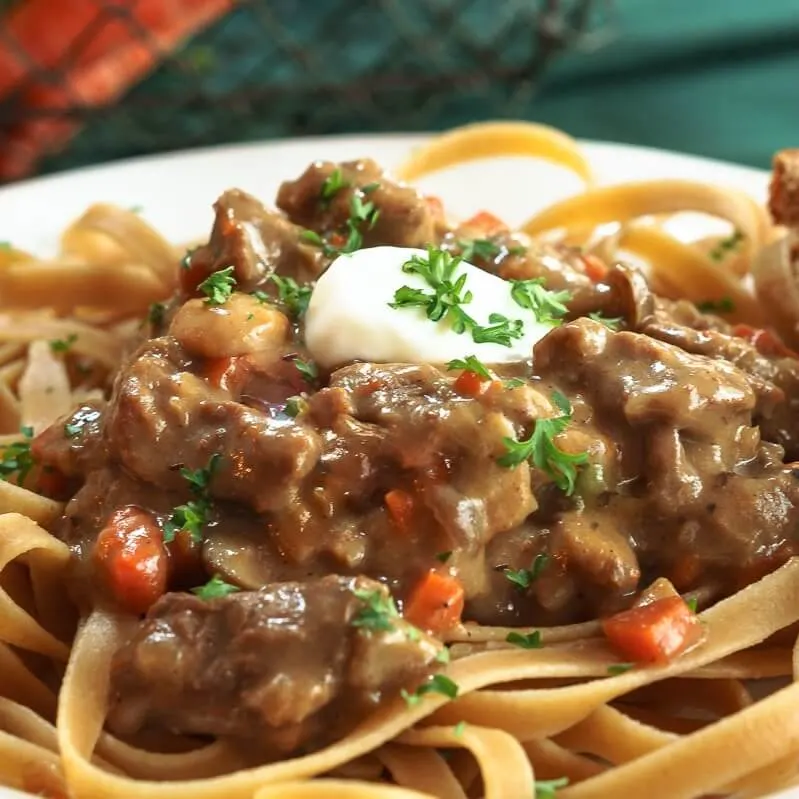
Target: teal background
[[717, 78]]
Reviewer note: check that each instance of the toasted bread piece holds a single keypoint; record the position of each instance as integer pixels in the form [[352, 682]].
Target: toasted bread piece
[[783, 201]]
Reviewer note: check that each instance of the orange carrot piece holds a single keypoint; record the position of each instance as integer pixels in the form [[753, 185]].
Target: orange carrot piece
[[436, 603], [227, 373], [131, 557], [485, 223], [471, 384], [400, 506], [595, 268], [653, 633]]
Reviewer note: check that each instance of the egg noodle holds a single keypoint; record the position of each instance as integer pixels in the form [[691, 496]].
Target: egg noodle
[[687, 729]]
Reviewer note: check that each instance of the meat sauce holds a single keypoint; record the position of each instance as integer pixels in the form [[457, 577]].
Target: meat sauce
[[331, 490]]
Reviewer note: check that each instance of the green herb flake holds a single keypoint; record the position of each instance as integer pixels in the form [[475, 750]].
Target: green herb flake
[[611, 322], [513, 382], [218, 286], [524, 578], [443, 656], [470, 364], [215, 588], [540, 449], [723, 305], [72, 430], [692, 603], [529, 641], [295, 406], [16, 458], [547, 306], [331, 186], [308, 369], [546, 789], [194, 515], [448, 296], [459, 729], [261, 296], [378, 613], [619, 668], [437, 684], [482, 249], [62, 345], [726, 246], [294, 297]]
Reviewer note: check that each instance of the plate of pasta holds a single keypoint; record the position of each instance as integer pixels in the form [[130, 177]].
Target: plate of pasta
[[398, 467]]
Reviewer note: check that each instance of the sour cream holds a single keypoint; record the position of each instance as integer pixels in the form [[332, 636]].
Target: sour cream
[[350, 316]]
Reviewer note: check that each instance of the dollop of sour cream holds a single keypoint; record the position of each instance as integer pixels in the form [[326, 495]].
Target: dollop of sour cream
[[350, 316]]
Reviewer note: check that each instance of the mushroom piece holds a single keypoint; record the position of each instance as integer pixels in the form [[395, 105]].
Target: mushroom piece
[[776, 274]]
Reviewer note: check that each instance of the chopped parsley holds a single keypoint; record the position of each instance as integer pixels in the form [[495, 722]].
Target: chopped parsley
[[308, 369], [611, 322], [295, 406], [470, 364], [155, 315], [692, 603], [293, 296], [61, 345], [378, 612], [619, 668], [437, 684], [459, 729], [16, 459], [72, 430], [484, 249], [261, 296], [547, 306], [726, 246], [442, 656], [443, 557], [546, 789], [524, 578], [513, 382], [448, 296], [530, 641], [194, 515], [218, 286], [215, 588], [362, 214], [723, 305], [332, 185], [542, 451]]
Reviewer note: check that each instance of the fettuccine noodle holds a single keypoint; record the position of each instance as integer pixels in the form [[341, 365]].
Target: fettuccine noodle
[[520, 716]]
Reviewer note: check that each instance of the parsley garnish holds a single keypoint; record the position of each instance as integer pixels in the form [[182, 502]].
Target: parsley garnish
[[619, 668], [378, 612], [261, 296], [218, 286], [530, 641], [547, 306], [726, 246], [291, 294], [437, 684], [332, 185], [72, 430], [541, 449], [361, 214], [459, 729], [724, 305], [308, 369], [63, 344], [546, 789], [447, 297], [442, 656], [16, 458], [193, 516], [295, 406], [443, 557], [611, 322], [692, 603], [215, 588], [513, 382], [156, 314], [524, 578], [470, 364], [484, 249]]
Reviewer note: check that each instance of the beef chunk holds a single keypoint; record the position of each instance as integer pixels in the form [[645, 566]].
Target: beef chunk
[[287, 666]]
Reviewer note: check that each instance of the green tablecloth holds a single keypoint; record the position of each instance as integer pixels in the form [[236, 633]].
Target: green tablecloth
[[712, 77]]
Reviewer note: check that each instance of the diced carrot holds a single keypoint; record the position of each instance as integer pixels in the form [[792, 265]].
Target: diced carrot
[[401, 506], [595, 268], [227, 373], [470, 384], [436, 603], [685, 572], [766, 342], [484, 223], [653, 633], [131, 557]]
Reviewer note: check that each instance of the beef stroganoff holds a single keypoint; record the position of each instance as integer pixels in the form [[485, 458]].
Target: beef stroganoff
[[355, 500]]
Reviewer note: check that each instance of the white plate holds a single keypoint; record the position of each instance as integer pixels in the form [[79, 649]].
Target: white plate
[[175, 191]]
